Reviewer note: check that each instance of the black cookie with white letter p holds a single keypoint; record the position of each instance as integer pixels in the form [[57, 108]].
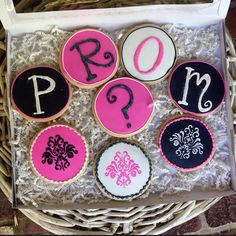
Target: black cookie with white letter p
[[40, 93], [196, 87]]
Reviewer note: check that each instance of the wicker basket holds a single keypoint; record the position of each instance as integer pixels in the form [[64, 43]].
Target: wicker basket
[[137, 220]]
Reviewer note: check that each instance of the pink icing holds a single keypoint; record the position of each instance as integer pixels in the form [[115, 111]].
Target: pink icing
[[158, 59], [112, 115], [69, 144], [75, 68], [123, 169]]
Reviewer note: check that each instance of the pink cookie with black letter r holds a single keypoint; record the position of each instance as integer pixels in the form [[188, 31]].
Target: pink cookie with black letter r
[[123, 107], [147, 53], [89, 58], [58, 154]]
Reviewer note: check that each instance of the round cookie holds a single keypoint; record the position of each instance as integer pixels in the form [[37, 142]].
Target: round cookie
[[196, 87], [123, 107], [89, 58], [58, 154], [123, 170], [147, 53], [40, 93], [186, 143]]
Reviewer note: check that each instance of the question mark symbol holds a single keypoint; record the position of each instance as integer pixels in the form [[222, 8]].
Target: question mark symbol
[[113, 99]]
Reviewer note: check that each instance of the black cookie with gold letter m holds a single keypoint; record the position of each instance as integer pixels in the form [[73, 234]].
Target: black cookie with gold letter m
[[40, 93]]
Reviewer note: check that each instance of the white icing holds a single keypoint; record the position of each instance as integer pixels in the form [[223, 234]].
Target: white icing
[[206, 77], [38, 93], [137, 182], [148, 54], [188, 142]]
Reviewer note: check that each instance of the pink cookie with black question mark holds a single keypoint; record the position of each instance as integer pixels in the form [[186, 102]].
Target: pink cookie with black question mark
[[89, 58], [123, 107]]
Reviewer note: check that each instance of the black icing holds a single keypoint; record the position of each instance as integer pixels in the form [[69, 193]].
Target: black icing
[[58, 152], [185, 143], [113, 99], [51, 103], [86, 58], [214, 93]]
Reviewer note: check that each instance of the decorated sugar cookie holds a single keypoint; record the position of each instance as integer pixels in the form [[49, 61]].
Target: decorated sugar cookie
[[123, 107], [186, 143], [123, 170], [58, 154], [148, 53], [89, 58], [196, 87], [40, 93]]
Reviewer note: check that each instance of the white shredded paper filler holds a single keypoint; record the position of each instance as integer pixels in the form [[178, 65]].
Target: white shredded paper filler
[[42, 48]]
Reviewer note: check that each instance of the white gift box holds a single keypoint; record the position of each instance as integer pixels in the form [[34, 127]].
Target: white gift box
[[111, 19]]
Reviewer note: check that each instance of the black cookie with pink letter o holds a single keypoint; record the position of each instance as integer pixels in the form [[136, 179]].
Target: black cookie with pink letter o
[[40, 93]]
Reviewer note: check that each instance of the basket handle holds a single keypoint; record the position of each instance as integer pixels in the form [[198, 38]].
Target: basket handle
[[7, 13]]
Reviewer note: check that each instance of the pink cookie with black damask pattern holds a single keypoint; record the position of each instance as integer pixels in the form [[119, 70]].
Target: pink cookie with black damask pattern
[[123, 170], [59, 154], [123, 107], [89, 58]]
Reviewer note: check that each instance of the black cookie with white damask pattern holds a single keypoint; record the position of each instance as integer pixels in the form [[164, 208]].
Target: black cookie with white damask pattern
[[196, 87], [40, 93], [186, 143]]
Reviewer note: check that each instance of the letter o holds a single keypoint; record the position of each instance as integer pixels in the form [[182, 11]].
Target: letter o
[[158, 58]]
